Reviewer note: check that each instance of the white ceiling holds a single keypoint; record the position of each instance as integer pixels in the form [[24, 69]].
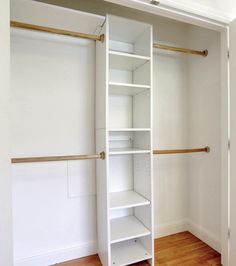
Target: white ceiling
[[219, 10]]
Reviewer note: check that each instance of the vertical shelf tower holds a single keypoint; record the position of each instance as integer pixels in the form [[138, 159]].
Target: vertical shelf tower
[[124, 132]]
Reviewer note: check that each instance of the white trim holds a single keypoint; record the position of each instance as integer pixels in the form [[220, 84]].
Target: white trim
[[171, 228], [59, 255], [204, 235], [187, 225], [187, 14], [225, 135], [90, 248]]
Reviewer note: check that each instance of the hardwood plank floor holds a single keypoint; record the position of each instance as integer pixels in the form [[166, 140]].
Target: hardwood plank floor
[[182, 249]]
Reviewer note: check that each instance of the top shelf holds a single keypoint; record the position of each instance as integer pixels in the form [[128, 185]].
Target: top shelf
[[126, 61]]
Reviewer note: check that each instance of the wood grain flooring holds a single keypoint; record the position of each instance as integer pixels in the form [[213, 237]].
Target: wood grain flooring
[[182, 249]]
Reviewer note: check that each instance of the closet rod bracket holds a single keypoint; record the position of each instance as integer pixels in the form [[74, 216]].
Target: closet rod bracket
[[102, 155]]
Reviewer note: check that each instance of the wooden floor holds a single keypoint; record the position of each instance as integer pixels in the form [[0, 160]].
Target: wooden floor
[[181, 249]]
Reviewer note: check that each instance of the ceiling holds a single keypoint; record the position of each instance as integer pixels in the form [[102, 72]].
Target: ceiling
[[223, 11]]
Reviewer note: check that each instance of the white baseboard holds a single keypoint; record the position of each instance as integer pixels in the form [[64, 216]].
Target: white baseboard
[[56, 256], [171, 228], [90, 248], [205, 236], [188, 225]]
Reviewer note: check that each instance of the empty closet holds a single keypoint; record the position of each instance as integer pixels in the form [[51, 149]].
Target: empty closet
[[124, 103]]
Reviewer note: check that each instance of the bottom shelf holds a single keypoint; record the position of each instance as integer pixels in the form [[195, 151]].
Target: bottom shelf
[[127, 253]]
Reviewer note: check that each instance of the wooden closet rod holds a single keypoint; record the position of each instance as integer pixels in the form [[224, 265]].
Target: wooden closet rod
[[27, 26], [205, 149], [58, 158], [100, 38], [101, 155], [181, 50]]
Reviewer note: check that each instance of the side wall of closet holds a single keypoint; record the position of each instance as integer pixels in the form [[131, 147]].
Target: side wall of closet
[[53, 92], [5, 174], [204, 189]]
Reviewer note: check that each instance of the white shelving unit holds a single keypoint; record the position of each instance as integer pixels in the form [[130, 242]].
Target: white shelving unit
[[117, 88], [116, 151], [124, 132], [126, 228], [129, 252], [127, 199]]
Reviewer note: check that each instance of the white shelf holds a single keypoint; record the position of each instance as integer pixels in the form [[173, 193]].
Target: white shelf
[[117, 151], [127, 253], [126, 228], [126, 61], [126, 199], [126, 88], [128, 129]]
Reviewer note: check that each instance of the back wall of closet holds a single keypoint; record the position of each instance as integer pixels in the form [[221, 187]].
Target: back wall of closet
[[53, 95]]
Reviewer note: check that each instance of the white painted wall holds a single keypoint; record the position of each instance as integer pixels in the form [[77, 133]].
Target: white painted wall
[[5, 177], [204, 197], [54, 203], [53, 83]]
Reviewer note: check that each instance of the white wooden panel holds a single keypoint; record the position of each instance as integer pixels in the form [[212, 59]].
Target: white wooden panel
[[103, 226], [142, 140], [127, 228], [129, 129], [128, 139], [101, 82], [120, 111], [127, 253], [141, 110], [102, 199], [144, 215], [119, 88], [120, 76], [142, 43], [232, 241], [125, 61], [122, 29], [127, 199], [121, 46], [120, 173], [142, 75], [119, 213], [142, 175], [117, 151]]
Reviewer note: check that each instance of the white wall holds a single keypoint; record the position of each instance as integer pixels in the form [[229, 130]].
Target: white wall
[[205, 129], [170, 132], [5, 177], [53, 81], [53, 114]]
